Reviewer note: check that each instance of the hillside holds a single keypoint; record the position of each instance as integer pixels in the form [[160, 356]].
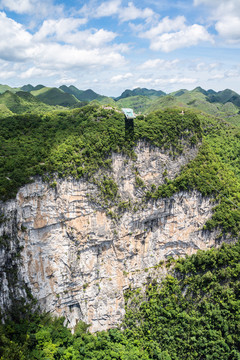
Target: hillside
[[139, 103], [4, 111], [140, 92], [108, 216], [21, 102], [30, 88], [224, 97], [54, 96], [4, 88], [197, 99], [224, 104]]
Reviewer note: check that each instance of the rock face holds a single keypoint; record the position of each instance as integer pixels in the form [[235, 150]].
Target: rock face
[[76, 259]]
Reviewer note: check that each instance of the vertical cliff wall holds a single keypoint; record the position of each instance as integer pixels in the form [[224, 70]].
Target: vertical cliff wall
[[77, 254]]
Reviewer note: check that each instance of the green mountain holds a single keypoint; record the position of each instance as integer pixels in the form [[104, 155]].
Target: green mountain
[[199, 100], [30, 87], [140, 92], [21, 102], [224, 97], [27, 88], [54, 96], [4, 88], [82, 95], [72, 90], [192, 313], [139, 103], [4, 111]]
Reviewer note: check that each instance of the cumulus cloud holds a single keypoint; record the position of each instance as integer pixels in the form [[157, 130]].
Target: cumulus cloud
[[166, 81], [18, 6], [217, 77], [39, 8], [58, 45], [65, 80], [229, 28], [114, 7], [203, 66], [158, 63], [15, 45], [108, 8], [36, 71], [58, 28], [131, 13], [67, 56], [165, 26], [172, 34], [7, 74], [121, 77], [66, 30], [226, 15]]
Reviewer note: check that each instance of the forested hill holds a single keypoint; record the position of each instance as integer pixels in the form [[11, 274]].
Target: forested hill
[[194, 312], [224, 104]]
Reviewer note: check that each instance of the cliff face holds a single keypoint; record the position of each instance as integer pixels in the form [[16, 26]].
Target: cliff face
[[76, 259]]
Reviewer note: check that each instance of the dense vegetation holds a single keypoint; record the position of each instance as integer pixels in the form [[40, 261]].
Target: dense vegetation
[[224, 104], [69, 143], [208, 175], [193, 314]]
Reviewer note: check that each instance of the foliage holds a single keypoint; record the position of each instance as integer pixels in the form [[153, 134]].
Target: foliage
[[78, 142], [193, 314], [142, 92], [209, 176], [21, 102], [54, 96], [138, 103]]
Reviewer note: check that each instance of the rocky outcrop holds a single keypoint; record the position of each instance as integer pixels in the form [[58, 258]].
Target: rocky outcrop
[[77, 260]]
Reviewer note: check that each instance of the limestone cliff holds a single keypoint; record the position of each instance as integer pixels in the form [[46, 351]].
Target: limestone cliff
[[76, 258]]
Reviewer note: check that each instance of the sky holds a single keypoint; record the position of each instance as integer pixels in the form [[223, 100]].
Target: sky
[[110, 46]]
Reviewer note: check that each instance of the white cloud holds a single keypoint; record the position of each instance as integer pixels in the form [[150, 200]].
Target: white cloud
[[7, 74], [166, 81], [172, 34], [114, 7], [226, 15], [55, 47], [121, 77], [18, 6], [67, 57], [131, 13], [165, 26], [35, 72], [16, 42], [227, 74], [229, 28], [66, 30], [65, 80], [188, 36], [217, 77], [158, 63], [108, 8], [36, 7], [58, 28], [204, 66]]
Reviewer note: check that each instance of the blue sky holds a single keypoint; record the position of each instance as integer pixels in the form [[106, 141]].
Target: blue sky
[[110, 46]]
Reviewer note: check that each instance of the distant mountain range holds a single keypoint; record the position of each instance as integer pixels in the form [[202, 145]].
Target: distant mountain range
[[140, 92], [29, 98]]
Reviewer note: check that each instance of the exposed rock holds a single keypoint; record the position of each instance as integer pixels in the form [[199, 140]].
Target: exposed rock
[[78, 261]]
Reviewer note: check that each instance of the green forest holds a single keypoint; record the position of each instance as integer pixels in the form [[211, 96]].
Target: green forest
[[195, 312]]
